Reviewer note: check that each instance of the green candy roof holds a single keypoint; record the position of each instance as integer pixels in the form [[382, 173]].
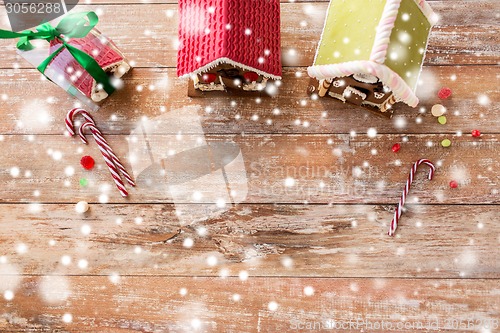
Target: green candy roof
[[349, 31], [408, 42]]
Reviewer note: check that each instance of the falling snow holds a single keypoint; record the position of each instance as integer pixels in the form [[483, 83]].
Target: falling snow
[[308, 114]]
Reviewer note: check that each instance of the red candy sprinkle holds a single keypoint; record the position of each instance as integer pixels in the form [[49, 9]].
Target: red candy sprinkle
[[209, 77], [396, 147], [251, 76], [476, 133], [453, 184], [444, 93], [87, 162]]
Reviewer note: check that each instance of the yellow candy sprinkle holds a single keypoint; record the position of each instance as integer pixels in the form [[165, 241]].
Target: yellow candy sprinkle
[[446, 143], [442, 120]]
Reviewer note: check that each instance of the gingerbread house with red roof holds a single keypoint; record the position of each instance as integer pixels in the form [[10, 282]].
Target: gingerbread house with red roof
[[229, 44]]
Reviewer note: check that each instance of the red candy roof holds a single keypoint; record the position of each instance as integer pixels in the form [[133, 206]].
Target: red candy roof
[[105, 55], [245, 33]]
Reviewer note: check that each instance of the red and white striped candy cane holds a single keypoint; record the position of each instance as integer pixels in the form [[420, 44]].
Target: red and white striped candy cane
[[399, 208], [109, 161], [88, 119], [71, 115], [101, 141]]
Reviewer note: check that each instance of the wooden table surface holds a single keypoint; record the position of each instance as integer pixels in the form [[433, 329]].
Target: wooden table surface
[[307, 248]]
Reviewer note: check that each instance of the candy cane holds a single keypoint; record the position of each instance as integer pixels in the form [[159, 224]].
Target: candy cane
[[409, 181], [101, 142], [107, 158], [71, 115], [112, 161], [69, 126], [88, 119]]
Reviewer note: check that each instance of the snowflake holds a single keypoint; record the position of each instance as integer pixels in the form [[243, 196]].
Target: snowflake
[[67, 318], [212, 261], [188, 243], [65, 260], [54, 289], [308, 291], [272, 306], [372, 132], [243, 275]]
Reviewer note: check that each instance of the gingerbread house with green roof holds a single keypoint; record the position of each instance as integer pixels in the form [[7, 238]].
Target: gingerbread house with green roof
[[371, 51]]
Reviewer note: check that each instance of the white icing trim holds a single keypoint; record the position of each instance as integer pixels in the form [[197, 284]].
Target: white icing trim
[[338, 96], [252, 86], [373, 104], [364, 102], [365, 78], [352, 90], [228, 61], [400, 89], [384, 31], [208, 86]]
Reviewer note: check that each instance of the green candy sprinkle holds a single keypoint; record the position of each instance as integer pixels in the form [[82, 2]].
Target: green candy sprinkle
[[84, 182], [442, 120], [446, 143]]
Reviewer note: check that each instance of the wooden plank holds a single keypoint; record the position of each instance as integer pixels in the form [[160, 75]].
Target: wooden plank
[[451, 3], [158, 304], [113, 2], [123, 110], [154, 28], [264, 240], [352, 170], [130, 265]]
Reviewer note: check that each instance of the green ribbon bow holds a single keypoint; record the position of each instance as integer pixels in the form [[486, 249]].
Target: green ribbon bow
[[75, 25]]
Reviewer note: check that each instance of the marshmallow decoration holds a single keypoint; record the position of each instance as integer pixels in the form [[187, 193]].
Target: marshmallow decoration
[[229, 44], [371, 52]]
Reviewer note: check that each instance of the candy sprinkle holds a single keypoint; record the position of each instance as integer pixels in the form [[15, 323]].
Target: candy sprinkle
[[396, 147], [446, 143], [82, 207], [442, 120], [453, 184], [87, 162], [84, 182], [438, 110], [444, 93], [476, 133]]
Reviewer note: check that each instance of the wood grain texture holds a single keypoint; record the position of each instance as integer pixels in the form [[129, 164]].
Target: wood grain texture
[[174, 2], [208, 305], [129, 265], [233, 115], [325, 169], [154, 28], [264, 240]]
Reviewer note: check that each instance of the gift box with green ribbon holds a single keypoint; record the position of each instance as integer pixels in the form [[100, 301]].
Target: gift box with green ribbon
[[75, 56]]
